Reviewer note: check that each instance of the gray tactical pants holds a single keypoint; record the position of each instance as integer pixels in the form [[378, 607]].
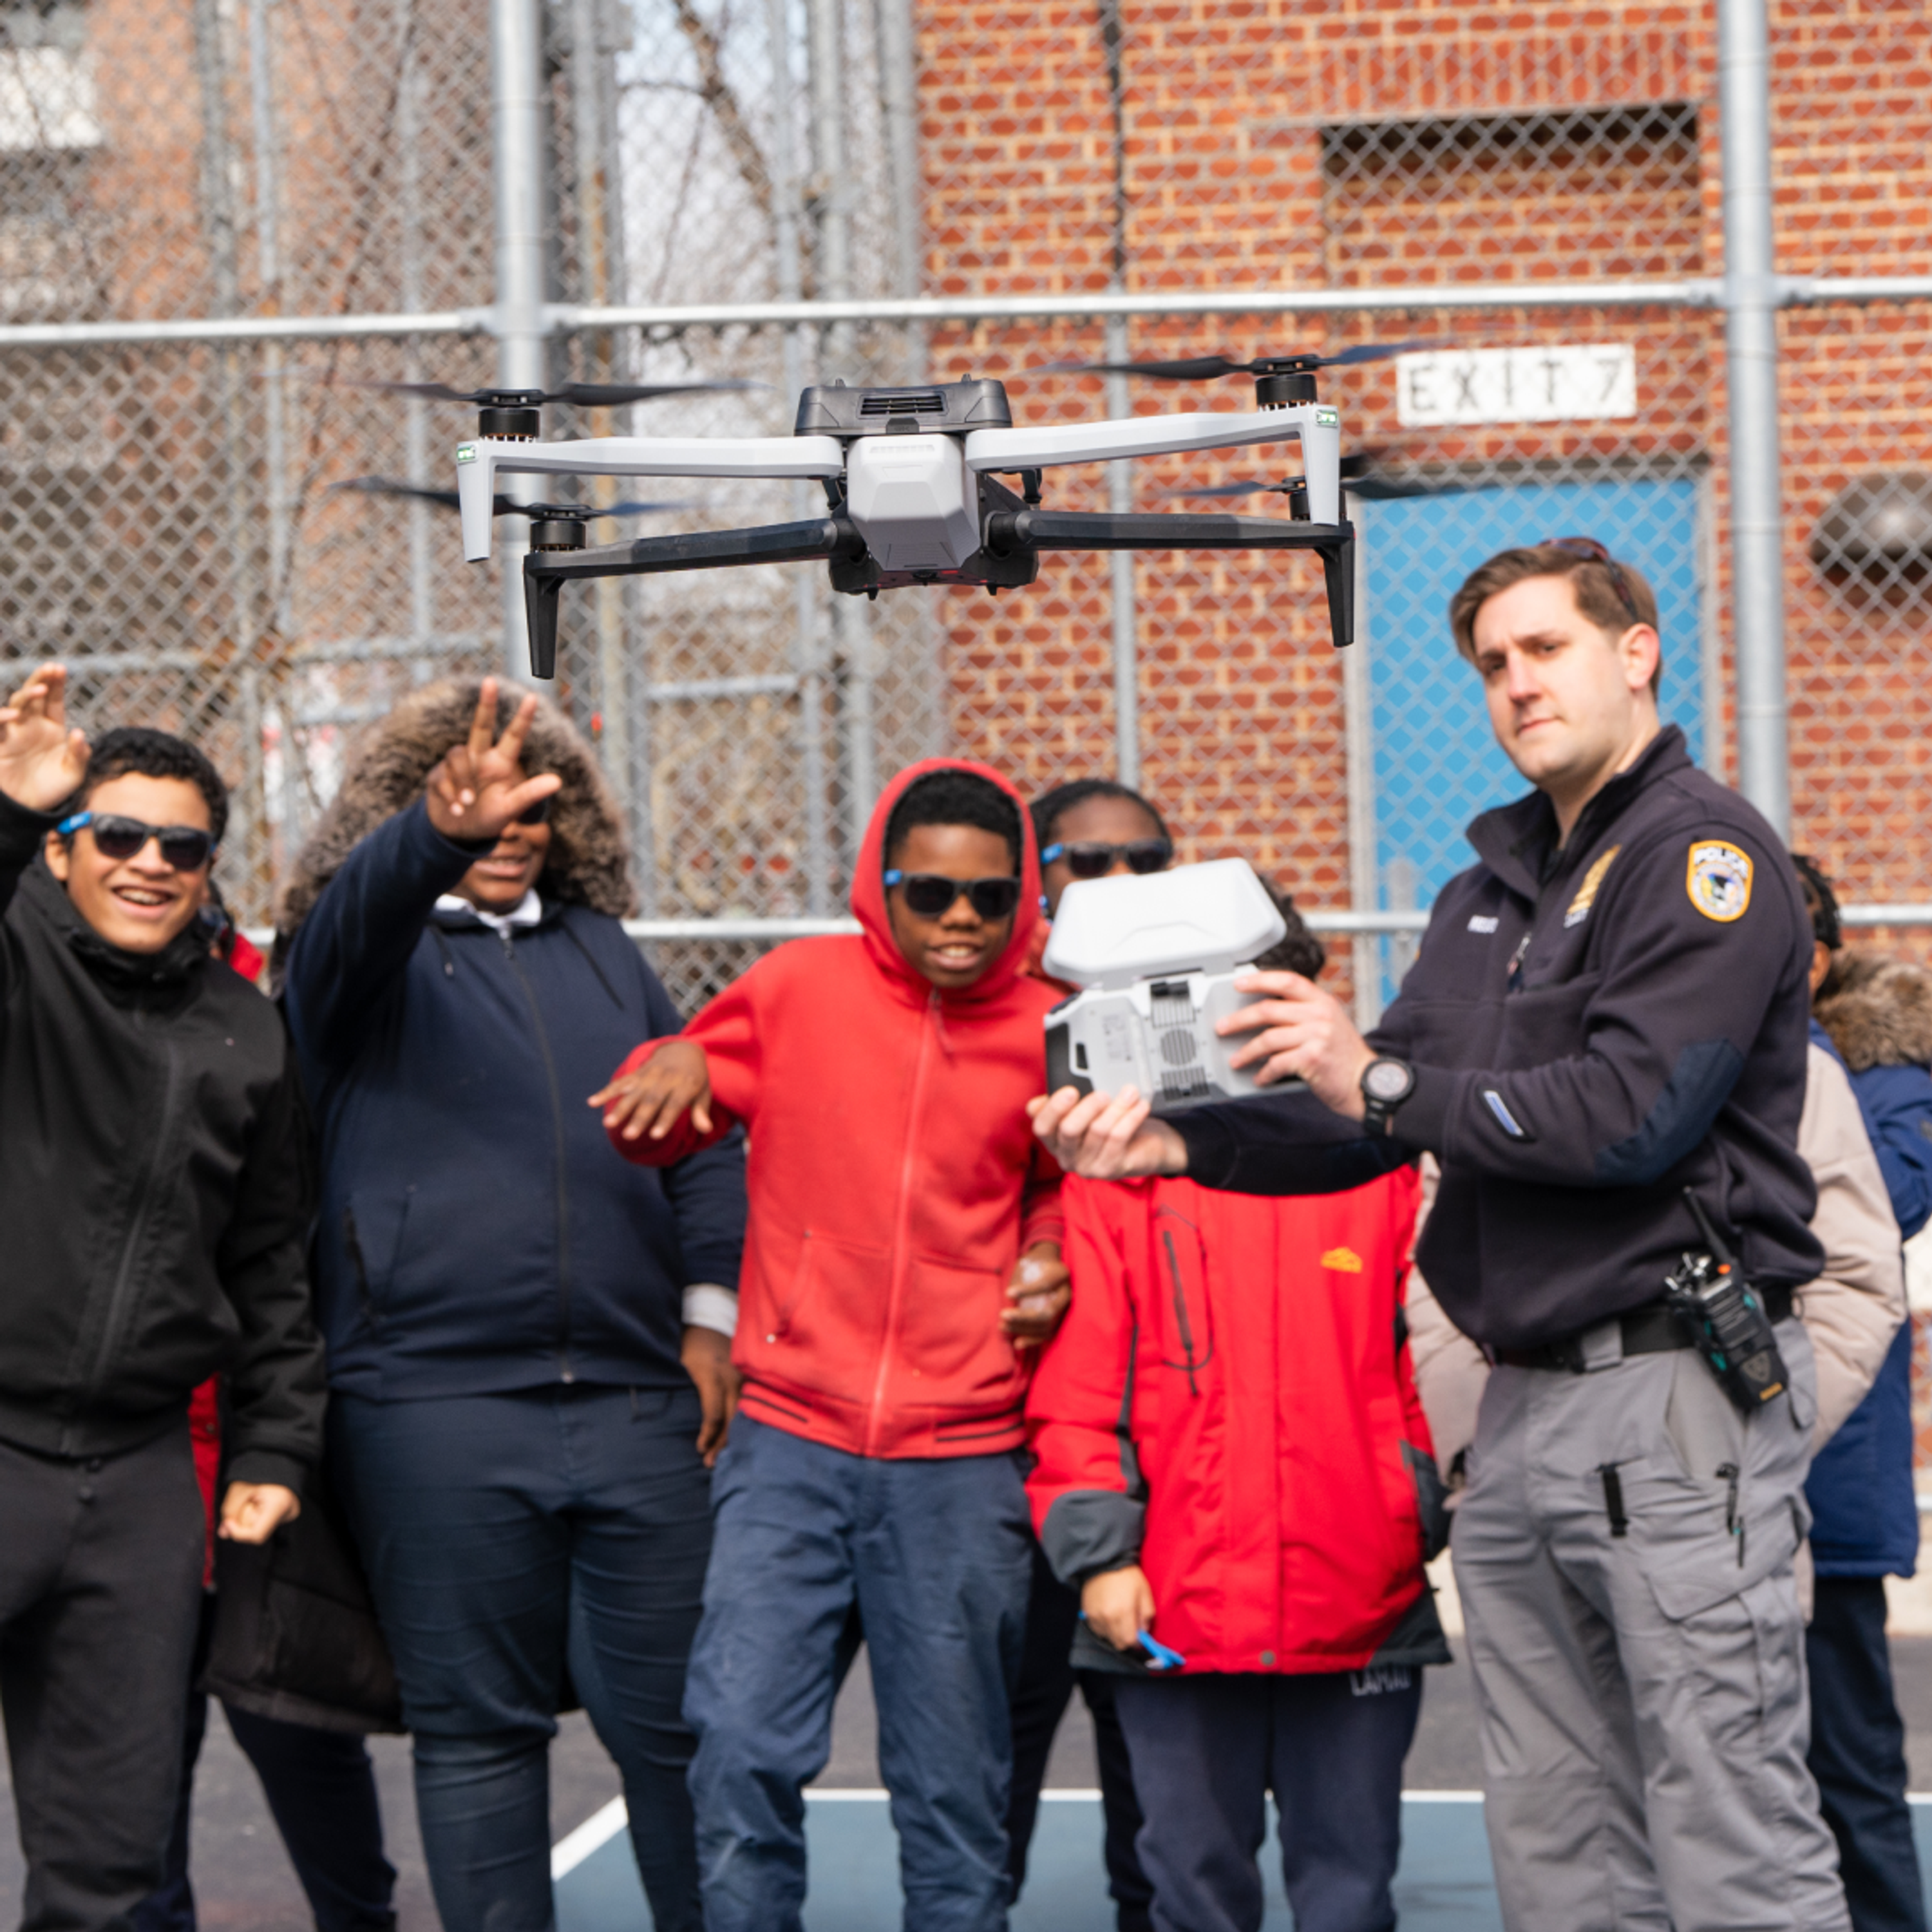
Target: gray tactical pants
[[1642, 1696]]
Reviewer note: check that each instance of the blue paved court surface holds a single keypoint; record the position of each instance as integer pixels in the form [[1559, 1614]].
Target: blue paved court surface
[[1444, 1884]]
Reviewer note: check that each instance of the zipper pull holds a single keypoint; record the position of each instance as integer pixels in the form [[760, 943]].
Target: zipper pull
[[1733, 1523], [1518, 957]]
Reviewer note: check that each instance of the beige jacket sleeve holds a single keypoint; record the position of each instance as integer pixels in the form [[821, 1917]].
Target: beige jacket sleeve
[[1854, 1308], [1450, 1370]]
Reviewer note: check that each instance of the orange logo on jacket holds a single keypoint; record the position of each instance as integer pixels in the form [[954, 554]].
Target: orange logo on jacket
[[1343, 1261]]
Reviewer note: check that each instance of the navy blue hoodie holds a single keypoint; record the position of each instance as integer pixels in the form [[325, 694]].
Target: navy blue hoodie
[[477, 1234]]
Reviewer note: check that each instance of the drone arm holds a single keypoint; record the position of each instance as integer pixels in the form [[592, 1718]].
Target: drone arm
[[1051, 444], [546, 571], [479, 463]]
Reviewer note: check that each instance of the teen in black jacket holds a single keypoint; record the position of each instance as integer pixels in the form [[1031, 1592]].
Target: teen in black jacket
[[516, 1317], [154, 1205]]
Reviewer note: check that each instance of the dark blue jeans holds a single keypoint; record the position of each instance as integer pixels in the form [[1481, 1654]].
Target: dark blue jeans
[[937, 1555], [515, 1542], [1857, 1755], [1207, 1749]]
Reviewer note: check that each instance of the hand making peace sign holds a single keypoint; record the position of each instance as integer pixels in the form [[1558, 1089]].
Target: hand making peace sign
[[480, 787]]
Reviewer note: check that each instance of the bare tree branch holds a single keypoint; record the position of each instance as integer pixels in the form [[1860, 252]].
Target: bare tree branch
[[717, 95]]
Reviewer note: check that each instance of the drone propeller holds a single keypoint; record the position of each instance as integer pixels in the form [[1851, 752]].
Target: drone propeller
[[1210, 368], [506, 506], [582, 395]]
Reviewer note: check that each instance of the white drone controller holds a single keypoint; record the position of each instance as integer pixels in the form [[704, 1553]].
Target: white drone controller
[[1155, 957], [911, 477]]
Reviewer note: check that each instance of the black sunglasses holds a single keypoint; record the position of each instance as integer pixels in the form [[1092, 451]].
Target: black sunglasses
[[186, 848], [1091, 859], [538, 813], [932, 894], [1589, 547]]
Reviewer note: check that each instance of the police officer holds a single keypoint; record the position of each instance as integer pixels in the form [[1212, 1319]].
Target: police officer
[[1608, 1008]]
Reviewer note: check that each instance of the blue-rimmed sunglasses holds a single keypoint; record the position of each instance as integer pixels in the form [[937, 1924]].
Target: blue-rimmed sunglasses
[[1092, 858], [186, 848], [931, 894]]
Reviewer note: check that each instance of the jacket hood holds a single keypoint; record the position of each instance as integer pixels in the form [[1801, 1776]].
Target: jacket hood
[[868, 891], [1878, 1012], [389, 765]]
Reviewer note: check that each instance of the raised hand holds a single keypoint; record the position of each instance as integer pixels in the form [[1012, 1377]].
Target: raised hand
[[480, 787], [43, 759]]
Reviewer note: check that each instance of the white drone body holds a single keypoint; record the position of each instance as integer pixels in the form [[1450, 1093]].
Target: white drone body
[[1156, 957], [911, 497], [911, 478]]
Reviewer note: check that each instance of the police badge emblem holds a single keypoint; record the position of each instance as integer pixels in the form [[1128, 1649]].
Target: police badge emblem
[[1718, 879]]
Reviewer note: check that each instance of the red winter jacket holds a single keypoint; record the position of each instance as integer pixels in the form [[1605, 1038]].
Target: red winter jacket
[[893, 1176], [1230, 1403]]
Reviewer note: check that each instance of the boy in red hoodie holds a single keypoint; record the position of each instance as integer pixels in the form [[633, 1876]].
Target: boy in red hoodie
[[903, 1253]]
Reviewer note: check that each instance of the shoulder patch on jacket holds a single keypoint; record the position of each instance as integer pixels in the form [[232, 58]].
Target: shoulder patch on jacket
[[1343, 1261], [1717, 877], [1586, 893]]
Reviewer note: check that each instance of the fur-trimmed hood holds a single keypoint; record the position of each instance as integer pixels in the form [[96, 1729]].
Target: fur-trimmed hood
[[1878, 1011], [389, 766]]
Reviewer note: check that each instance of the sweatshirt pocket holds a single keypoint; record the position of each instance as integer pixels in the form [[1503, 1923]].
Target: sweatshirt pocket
[[373, 1228], [828, 1314], [1187, 1323], [949, 1331]]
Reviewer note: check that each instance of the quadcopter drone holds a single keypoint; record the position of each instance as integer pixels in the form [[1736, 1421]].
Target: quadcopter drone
[[911, 477]]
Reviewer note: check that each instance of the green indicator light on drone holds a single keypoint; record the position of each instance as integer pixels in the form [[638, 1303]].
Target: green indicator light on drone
[[1323, 419], [466, 452]]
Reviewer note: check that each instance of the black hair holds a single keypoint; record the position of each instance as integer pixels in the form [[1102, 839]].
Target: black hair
[[154, 755], [1050, 808], [1297, 950], [1820, 900], [954, 797]]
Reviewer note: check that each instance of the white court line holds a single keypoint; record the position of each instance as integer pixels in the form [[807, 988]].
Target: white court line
[[592, 1835], [598, 1830]]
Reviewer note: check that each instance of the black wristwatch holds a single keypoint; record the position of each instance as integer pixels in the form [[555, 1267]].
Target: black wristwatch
[[1386, 1084]]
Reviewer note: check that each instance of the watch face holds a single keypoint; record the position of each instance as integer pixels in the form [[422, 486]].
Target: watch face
[[1387, 1080]]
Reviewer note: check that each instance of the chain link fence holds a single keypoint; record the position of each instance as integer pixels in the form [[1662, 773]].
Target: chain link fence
[[1534, 212]]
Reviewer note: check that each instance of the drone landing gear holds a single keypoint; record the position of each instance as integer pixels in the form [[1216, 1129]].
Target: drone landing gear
[[1023, 530], [1010, 557], [546, 572]]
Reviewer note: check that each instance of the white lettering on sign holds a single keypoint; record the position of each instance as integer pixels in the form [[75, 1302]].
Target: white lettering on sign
[[1594, 383]]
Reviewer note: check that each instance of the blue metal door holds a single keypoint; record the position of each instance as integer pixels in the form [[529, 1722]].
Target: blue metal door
[[1436, 762]]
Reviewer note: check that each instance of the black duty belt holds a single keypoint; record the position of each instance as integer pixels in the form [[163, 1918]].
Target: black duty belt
[[1651, 1329]]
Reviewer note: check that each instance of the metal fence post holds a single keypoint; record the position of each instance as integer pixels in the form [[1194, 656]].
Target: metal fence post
[[1750, 304], [516, 122]]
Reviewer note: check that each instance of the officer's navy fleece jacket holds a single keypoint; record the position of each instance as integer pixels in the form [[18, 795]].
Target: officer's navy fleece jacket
[[1878, 1021], [477, 1234], [1593, 1027]]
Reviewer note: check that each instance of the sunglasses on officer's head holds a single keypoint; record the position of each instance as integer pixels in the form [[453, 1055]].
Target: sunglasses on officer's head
[[186, 848], [1589, 547], [1091, 859], [931, 895]]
